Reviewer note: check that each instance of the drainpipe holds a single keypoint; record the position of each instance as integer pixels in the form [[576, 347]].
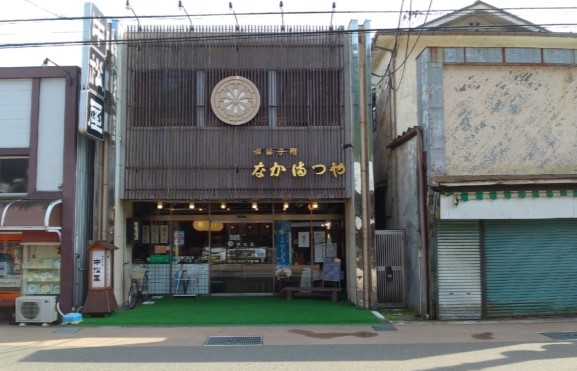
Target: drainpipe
[[423, 221], [364, 171], [104, 192]]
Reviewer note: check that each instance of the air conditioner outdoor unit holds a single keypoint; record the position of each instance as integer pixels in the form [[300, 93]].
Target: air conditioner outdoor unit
[[36, 309]]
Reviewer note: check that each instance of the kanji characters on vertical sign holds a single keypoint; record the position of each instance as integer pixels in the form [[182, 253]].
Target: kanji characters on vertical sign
[[97, 269], [93, 67]]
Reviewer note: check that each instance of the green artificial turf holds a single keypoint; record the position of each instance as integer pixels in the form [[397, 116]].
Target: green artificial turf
[[232, 310]]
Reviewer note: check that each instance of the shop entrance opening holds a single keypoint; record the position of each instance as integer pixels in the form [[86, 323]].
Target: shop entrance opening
[[241, 259], [237, 249]]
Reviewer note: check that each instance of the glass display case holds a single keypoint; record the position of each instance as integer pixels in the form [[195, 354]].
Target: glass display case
[[41, 270]]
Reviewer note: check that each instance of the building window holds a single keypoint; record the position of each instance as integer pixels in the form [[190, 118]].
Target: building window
[[163, 98], [309, 98], [289, 98], [13, 175]]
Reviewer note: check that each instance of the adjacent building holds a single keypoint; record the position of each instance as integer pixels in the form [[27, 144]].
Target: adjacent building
[[45, 185], [475, 160]]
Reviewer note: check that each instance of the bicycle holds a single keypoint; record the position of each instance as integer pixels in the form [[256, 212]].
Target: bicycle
[[138, 286]]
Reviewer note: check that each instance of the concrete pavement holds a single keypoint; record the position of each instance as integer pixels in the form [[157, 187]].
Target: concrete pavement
[[422, 346], [394, 333]]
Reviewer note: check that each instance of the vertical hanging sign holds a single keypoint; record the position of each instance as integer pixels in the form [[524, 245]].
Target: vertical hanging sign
[[92, 94], [282, 241]]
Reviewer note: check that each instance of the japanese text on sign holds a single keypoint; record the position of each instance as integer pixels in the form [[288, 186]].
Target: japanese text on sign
[[97, 269], [272, 151], [297, 169]]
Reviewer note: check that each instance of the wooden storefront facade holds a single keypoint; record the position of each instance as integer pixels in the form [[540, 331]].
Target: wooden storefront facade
[[247, 128]]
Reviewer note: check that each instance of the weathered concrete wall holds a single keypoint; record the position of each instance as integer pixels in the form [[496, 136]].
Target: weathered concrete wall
[[404, 214], [510, 120], [405, 63]]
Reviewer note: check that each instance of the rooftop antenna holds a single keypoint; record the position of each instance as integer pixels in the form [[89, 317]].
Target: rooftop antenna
[[68, 75], [282, 16], [128, 7], [181, 6], [235, 18], [332, 14]]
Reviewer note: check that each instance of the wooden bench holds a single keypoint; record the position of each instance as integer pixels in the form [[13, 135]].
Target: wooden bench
[[290, 291]]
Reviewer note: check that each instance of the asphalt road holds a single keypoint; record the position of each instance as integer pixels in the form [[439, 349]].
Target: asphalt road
[[429, 346]]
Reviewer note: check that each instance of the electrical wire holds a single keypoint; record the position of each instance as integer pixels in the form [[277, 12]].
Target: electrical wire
[[259, 14], [397, 30], [188, 38], [407, 52]]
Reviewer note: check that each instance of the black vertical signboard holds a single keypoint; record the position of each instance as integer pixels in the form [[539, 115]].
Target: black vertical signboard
[[91, 122]]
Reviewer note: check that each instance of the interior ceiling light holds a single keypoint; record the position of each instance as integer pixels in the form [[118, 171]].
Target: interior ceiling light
[[255, 205], [223, 205], [285, 206], [191, 205], [205, 226], [159, 205], [313, 206]]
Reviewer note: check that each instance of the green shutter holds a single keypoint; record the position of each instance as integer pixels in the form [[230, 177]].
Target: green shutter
[[530, 267]]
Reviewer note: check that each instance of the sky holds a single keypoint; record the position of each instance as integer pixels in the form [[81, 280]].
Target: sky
[[48, 25]]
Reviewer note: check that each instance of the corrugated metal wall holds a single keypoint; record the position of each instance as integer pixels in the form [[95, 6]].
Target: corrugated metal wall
[[176, 148], [459, 270], [531, 267]]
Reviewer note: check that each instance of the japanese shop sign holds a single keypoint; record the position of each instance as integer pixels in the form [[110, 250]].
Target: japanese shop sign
[[100, 269], [296, 169], [91, 120]]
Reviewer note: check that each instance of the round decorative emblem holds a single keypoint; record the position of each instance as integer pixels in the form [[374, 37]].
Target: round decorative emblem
[[235, 100]]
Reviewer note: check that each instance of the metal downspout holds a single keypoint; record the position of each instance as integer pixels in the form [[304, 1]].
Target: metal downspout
[[364, 172], [423, 221]]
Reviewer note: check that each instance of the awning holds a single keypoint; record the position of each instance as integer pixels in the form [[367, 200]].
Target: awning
[[494, 195], [31, 215]]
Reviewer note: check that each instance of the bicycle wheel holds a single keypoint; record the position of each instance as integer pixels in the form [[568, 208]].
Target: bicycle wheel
[[132, 296], [144, 287]]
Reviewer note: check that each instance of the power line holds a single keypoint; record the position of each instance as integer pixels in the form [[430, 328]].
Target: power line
[[41, 8], [259, 14], [202, 37]]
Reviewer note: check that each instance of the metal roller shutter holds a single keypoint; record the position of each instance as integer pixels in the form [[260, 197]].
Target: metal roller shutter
[[459, 270], [530, 267]]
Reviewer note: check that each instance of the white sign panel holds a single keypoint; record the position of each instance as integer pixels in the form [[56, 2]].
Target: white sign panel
[[97, 269]]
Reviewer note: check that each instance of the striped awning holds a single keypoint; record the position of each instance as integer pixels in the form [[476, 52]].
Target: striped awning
[[495, 195]]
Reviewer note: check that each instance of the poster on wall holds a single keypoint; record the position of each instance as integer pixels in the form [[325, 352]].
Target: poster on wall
[[319, 253], [304, 239], [331, 250], [178, 238], [319, 244], [164, 233], [145, 234], [154, 233]]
